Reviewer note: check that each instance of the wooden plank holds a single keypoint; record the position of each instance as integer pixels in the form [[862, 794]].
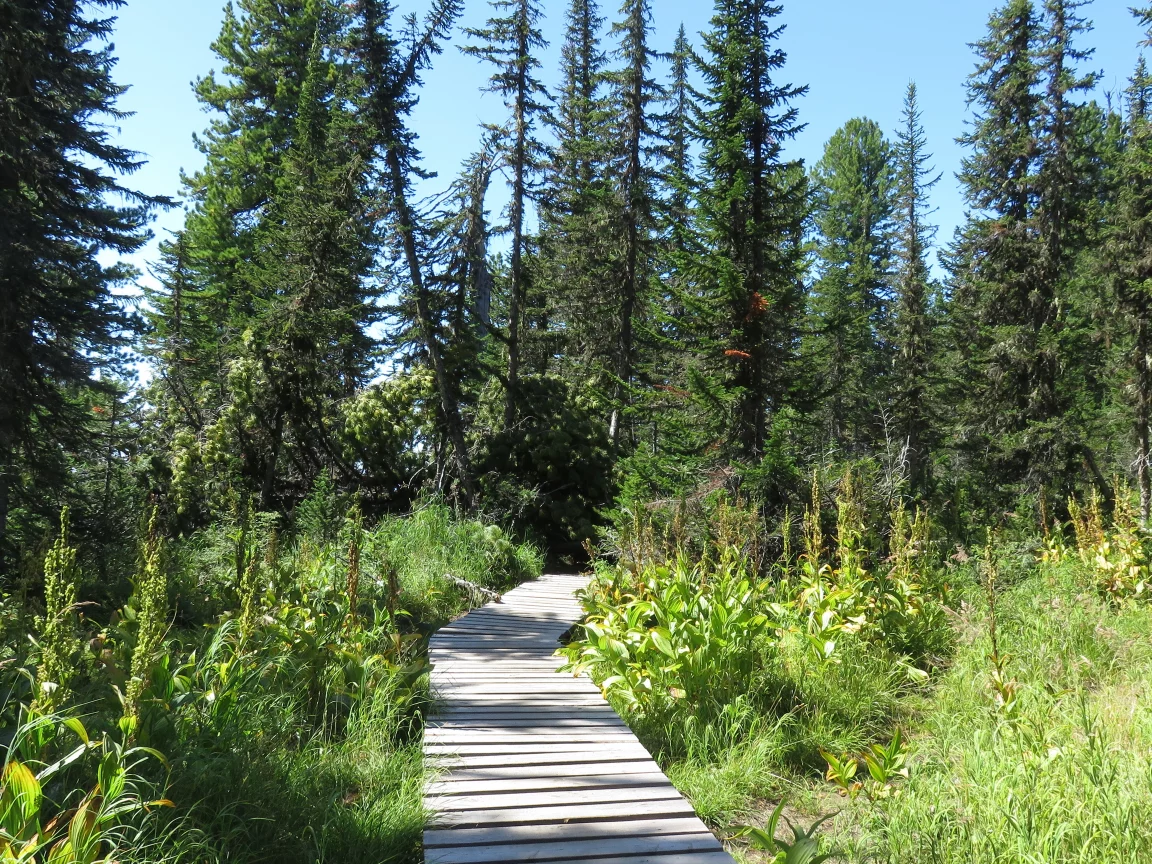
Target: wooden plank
[[567, 812], [546, 768], [530, 723], [510, 762], [567, 850], [528, 801], [534, 786], [524, 735], [504, 834], [717, 857], [561, 710], [563, 751]]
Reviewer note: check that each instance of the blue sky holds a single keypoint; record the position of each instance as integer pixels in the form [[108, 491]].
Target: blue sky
[[857, 58]]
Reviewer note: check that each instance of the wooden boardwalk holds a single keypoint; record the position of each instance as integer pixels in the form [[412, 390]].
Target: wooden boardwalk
[[530, 765]]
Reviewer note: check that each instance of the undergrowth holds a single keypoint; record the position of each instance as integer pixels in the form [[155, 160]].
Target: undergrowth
[[948, 705], [257, 698]]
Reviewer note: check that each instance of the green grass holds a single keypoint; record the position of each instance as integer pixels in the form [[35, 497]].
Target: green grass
[[288, 701], [1058, 770], [1069, 779]]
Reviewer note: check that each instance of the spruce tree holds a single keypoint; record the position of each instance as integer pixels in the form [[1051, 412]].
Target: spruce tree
[[750, 211], [510, 42], [635, 92], [855, 186], [1029, 181], [219, 284], [310, 340], [62, 207], [578, 213], [1127, 262], [1001, 322], [391, 70], [913, 302]]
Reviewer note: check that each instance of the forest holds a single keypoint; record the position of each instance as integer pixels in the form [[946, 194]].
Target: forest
[[866, 507]]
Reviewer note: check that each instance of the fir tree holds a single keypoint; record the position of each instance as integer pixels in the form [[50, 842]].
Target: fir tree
[[751, 203], [1128, 264], [258, 353], [1000, 321], [635, 92], [60, 209], [913, 307], [855, 186], [510, 42], [577, 246], [391, 78]]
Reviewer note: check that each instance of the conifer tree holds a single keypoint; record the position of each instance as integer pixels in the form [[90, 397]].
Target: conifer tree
[[1029, 180], [676, 133], [913, 307], [635, 92], [261, 324], [855, 187], [265, 47], [1128, 263], [999, 320], [751, 203], [669, 333], [62, 204], [577, 243], [311, 340], [391, 71], [510, 41]]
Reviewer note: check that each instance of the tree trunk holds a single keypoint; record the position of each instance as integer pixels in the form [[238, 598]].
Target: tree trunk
[[448, 402], [268, 483], [1143, 404], [519, 159], [5, 486]]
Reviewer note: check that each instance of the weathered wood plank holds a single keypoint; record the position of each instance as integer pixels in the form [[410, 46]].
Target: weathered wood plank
[[540, 765], [450, 786], [528, 801], [480, 755], [506, 834], [568, 850], [561, 813]]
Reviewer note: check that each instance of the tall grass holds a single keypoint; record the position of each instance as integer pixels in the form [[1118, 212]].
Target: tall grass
[[986, 707], [1066, 774], [288, 694]]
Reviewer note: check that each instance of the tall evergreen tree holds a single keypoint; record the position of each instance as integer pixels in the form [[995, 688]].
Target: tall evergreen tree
[[750, 212], [1128, 262], [60, 190], [1000, 321], [259, 414], [855, 187], [635, 92], [510, 42], [1028, 180], [577, 245], [265, 47], [391, 72], [913, 306]]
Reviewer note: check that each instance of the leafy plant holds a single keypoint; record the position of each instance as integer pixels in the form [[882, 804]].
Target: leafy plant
[[1117, 556], [59, 644], [33, 830], [805, 845], [678, 639]]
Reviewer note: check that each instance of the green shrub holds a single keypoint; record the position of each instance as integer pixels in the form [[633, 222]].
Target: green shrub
[[552, 471], [678, 646]]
